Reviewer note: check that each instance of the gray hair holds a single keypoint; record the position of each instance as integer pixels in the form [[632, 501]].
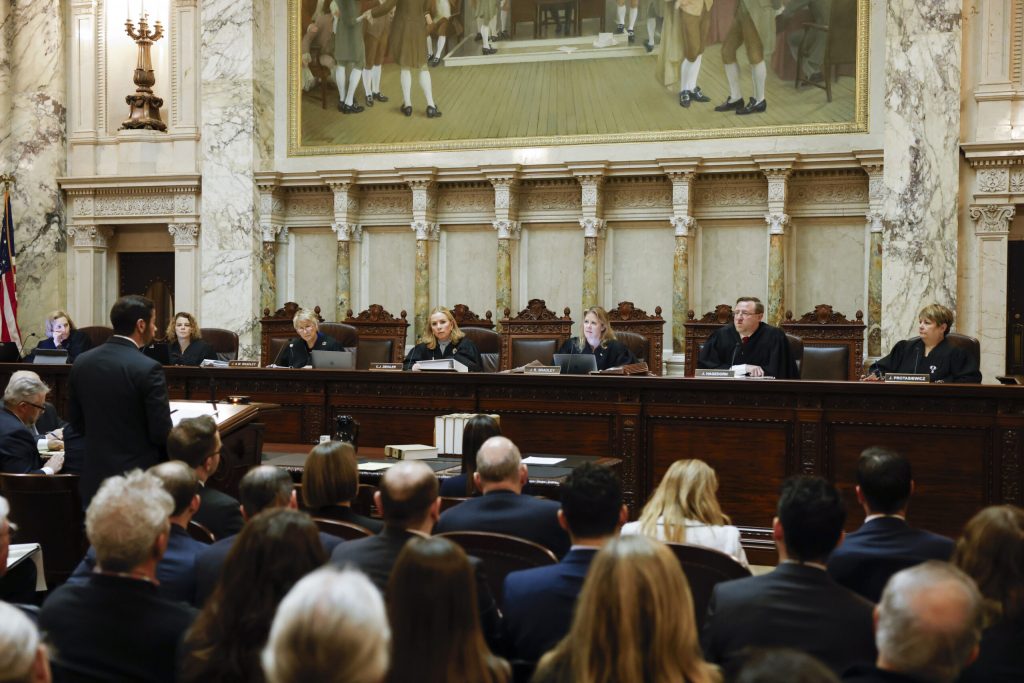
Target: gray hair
[[23, 386], [125, 518], [327, 612], [929, 621], [498, 459], [19, 642], [5, 509], [305, 316]]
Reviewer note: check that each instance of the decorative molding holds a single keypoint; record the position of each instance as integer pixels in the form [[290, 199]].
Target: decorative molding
[[993, 180], [309, 205], [682, 225], [282, 235], [426, 230], [1017, 177], [593, 227], [992, 219], [151, 205], [507, 230], [89, 236], [345, 231], [186, 234], [777, 223]]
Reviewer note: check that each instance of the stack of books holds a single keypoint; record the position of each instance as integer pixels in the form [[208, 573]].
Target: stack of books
[[448, 431]]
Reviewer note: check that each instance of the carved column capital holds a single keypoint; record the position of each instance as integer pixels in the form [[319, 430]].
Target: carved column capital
[[507, 230], [992, 219], [506, 197], [778, 188], [874, 220], [426, 230], [345, 231], [185, 234], [282, 235], [683, 225], [777, 223], [90, 236], [593, 227]]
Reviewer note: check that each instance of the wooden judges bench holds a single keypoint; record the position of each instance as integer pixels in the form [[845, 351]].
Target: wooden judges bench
[[965, 441]]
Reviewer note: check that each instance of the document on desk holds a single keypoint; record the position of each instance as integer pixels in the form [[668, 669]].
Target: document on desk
[[20, 552], [373, 466], [538, 460]]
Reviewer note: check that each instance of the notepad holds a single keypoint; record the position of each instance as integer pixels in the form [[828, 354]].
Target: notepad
[[373, 466], [538, 460]]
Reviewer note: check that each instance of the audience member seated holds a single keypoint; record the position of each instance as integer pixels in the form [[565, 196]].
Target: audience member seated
[[196, 442], [885, 543], [684, 509], [275, 549], [19, 584], [991, 551], [780, 665], [48, 429], [330, 481], [23, 657], [325, 614], [750, 342], [444, 339], [434, 621], [23, 404], [478, 429], [500, 475], [261, 488], [927, 627], [538, 603], [599, 341], [930, 353], [184, 341], [634, 622], [798, 604], [176, 571], [61, 333], [297, 353], [117, 626]]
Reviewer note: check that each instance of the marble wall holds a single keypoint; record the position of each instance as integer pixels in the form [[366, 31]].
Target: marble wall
[[828, 266], [551, 266], [734, 263], [467, 269], [638, 268], [311, 263], [387, 270]]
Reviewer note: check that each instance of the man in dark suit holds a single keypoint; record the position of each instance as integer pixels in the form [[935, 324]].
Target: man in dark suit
[[797, 605], [761, 350], [500, 476], [117, 627], [196, 442], [885, 543], [24, 400], [538, 603], [117, 398]]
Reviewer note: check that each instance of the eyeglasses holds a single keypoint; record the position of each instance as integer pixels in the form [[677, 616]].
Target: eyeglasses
[[34, 405]]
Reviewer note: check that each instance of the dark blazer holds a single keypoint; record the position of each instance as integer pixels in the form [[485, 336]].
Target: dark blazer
[[218, 512], [870, 555], [195, 354], [296, 354], [465, 352], [1001, 659], [795, 606], [945, 363], [538, 604], [343, 513], [869, 673], [115, 628], [117, 399], [504, 512], [614, 354], [48, 421], [18, 451], [77, 343], [453, 487], [767, 348]]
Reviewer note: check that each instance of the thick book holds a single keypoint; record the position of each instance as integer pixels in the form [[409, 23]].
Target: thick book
[[440, 365], [410, 451]]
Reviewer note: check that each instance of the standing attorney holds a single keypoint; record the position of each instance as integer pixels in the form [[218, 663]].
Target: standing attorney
[[749, 341]]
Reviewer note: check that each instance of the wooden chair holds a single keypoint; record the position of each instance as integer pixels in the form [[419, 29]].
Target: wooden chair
[[276, 329], [501, 554], [97, 334], [698, 331], [704, 569], [381, 336], [363, 502], [467, 318], [840, 35], [224, 342], [451, 501], [833, 345], [345, 530], [343, 333], [967, 343], [48, 511], [534, 334], [200, 532], [628, 320], [796, 349]]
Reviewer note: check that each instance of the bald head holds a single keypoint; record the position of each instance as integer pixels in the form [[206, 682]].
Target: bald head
[[498, 462], [408, 492]]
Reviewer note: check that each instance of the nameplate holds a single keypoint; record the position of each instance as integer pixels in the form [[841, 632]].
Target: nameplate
[[243, 363], [386, 367], [907, 377], [711, 372], [542, 370]]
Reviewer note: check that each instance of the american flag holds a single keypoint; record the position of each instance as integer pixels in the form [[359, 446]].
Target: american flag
[[9, 331]]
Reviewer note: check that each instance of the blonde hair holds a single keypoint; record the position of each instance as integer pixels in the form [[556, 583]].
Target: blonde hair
[[428, 337], [52, 318], [602, 317], [686, 492], [634, 621], [195, 334], [302, 315], [939, 315]]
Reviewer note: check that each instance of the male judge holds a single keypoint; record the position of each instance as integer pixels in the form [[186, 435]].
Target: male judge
[[749, 341], [118, 398]]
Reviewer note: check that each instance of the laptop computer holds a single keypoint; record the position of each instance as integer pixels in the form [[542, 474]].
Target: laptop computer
[[50, 357], [575, 363], [334, 360], [158, 351]]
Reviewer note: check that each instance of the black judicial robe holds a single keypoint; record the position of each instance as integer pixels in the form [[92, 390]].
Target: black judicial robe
[[195, 353], [945, 363], [611, 355], [767, 348], [297, 355], [464, 351], [76, 343]]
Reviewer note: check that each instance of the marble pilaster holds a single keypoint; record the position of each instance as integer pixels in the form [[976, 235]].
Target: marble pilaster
[[505, 181], [186, 264], [593, 223], [922, 131], [271, 220], [345, 205], [684, 226], [992, 230], [88, 303], [777, 220], [876, 194], [424, 208]]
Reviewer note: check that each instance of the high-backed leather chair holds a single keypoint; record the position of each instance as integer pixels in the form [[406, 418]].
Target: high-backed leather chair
[[343, 333], [967, 343], [698, 331], [796, 349], [97, 334], [704, 569], [381, 335], [825, 363], [481, 332], [501, 554], [534, 334], [643, 334], [276, 329], [344, 530], [824, 331], [224, 342]]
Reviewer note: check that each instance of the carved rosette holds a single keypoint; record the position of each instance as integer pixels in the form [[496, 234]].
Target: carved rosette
[[777, 223], [992, 219], [346, 232], [593, 227], [993, 180], [185, 234], [1017, 181], [425, 230], [682, 225], [90, 236], [507, 230]]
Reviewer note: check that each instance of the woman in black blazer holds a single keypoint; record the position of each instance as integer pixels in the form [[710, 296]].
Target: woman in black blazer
[[61, 333], [599, 340], [184, 345], [298, 352], [444, 339]]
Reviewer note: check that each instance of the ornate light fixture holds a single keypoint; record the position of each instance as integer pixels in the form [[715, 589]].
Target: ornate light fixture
[[145, 106]]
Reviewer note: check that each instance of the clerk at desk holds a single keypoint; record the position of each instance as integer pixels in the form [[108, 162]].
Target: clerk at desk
[[749, 341]]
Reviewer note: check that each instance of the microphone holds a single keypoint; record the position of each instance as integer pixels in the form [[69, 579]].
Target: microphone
[[735, 350], [24, 343], [213, 392], [917, 357]]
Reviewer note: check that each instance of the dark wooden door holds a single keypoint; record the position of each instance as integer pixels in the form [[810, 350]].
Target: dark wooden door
[[1015, 309], [150, 274]]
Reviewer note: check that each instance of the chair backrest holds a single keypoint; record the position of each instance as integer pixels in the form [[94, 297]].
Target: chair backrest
[[967, 343], [488, 343], [343, 333], [48, 511], [9, 352], [501, 554], [451, 501], [534, 334], [796, 349], [698, 331], [200, 532], [824, 327], [467, 318], [825, 363], [276, 328], [644, 334], [363, 502], [379, 333], [97, 334], [345, 530], [705, 568], [224, 342]]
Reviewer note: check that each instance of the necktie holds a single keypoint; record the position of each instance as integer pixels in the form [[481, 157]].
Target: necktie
[[745, 339]]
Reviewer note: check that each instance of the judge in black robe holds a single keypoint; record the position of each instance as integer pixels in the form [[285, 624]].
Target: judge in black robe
[[943, 362], [599, 340], [749, 341], [444, 339]]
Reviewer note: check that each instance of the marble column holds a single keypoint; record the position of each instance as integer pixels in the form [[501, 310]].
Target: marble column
[[684, 226], [343, 303], [876, 195], [186, 265], [282, 272], [777, 220], [271, 219], [424, 207], [89, 258], [506, 221], [33, 148], [992, 230], [922, 131], [593, 223]]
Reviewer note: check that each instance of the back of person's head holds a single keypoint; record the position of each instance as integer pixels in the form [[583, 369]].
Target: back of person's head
[[327, 613], [263, 487], [24, 385], [22, 654], [193, 440], [591, 501], [124, 519], [478, 429], [634, 620], [991, 551], [6, 530], [407, 491], [929, 622], [127, 311], [686, 492], [179, 480], [331, 475], [780, 665], [432, 605], [885, 479], [812, 517], [498, 460]]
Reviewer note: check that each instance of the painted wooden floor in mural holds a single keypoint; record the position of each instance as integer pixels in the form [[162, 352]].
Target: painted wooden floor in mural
[[567, 98]]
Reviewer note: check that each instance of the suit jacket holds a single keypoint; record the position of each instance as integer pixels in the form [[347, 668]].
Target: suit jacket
[[218, 512], [869, 673], [115, 628], [1001, 659], [118, 402], [343, 513], [48, 421], [880, 548], [504, 512], [795, 606], [538, 604], [18, 451]]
